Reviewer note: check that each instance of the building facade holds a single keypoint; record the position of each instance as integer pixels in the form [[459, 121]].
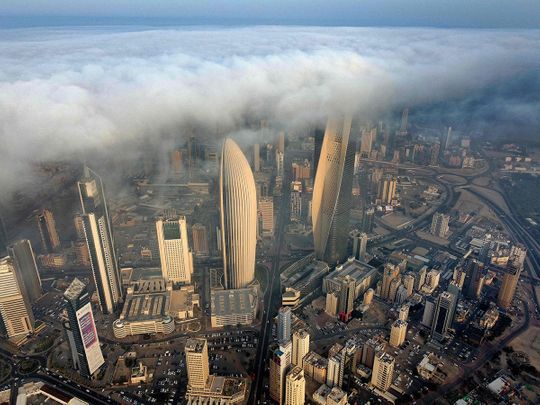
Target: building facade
[[98, 233], [332, 192], [238, 210]]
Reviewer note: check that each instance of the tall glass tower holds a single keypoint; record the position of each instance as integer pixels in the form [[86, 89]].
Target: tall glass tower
[[332, 192], [99, 238]]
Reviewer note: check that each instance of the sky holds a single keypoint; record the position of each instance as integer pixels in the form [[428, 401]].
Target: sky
[[435, 13], [125, 72]]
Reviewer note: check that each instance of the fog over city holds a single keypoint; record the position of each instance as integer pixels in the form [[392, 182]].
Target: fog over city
[[66, 91]]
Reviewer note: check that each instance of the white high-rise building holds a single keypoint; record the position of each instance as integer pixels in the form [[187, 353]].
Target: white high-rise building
[[238, 211], [174, 253], [16, 315], [300, 341], [280, 363], [99, 239], [197, 363], [295, 387], [332, 192], [284, 324], [383, 371]]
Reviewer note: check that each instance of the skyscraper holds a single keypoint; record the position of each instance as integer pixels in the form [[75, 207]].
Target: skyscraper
[[284, 323], [300, 346], [404, 122], [26, 269], [81, 330], [398, 333], [444, 315], [280, 362], [238, 209], [198, 369], [99, 238], [390, 272], [174, 253], [508, 286], [256, 158], [332, 192], [347, 294], [360, 245], [17, 319], [295, 387], [387, 190], [474, 278], [50, 242], [383, 371], [439, 225]]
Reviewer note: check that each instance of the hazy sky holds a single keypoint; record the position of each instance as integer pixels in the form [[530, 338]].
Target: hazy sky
[[437, 13]]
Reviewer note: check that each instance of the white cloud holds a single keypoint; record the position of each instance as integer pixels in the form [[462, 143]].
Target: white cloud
[[66, 90]]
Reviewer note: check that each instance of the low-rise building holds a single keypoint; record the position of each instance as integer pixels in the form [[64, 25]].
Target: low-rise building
[[150, 307], [362, 273], [233, 307]]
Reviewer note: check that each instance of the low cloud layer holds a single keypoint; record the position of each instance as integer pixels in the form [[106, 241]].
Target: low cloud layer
[[64, 91]]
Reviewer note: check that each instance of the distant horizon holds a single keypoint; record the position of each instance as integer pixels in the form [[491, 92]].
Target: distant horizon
[[37, 21]]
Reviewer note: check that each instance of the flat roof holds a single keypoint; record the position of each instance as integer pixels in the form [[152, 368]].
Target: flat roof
[[228, 302], [352, 268]]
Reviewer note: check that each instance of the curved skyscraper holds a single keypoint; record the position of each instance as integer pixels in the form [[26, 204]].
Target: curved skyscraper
[[332, 192], [238, 210]]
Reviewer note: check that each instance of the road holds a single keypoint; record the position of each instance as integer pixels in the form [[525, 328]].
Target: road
[[272, 298]]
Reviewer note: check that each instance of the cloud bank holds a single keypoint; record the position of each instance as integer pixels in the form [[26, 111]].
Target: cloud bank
[[64, 91]]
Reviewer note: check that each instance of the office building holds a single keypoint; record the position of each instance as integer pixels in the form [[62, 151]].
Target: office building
[[315, 367], [474, 278], [362, 273], [404, 312], [331, 303], [360, 241], [295, 387], [81, 330], [199, 235], [398, 333], [330, 396], [233, 307], [429, 312], [174, 253], [387, 190], [266, 211], [367, 220], [439, 225], [300, 346], [390, 273], [256, 158], [197, 366], [280, 363], [296, 201], [370, 348], [508, 286], [284, 324], [98, 233], [347, 295], [368, 296], [50, 242], [335, 371], [443, 315], [404, 122], [26, 270], [238, 212], [17, 319], [151, 305], [332, 192], [366, 142], [383, 371]]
